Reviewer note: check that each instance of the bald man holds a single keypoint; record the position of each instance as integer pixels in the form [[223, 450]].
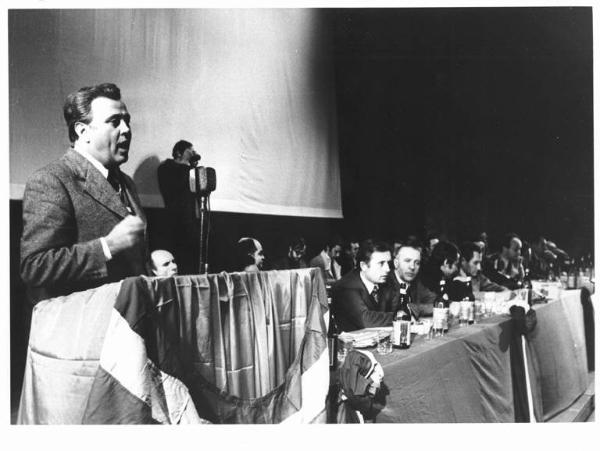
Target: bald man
[[163, 263]]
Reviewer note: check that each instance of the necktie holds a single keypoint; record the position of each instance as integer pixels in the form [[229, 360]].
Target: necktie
[[115, 181], [375, 293]]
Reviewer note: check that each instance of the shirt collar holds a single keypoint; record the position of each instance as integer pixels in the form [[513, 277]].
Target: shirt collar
[[326, 259], [94, 162], [368, 284], [400, 280]]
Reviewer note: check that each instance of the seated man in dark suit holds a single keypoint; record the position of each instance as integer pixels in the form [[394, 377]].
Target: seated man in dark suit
[[295, 255], [442, 265], [348, 257], [399, 289], [355, 300], [506, 267], [470, 266]]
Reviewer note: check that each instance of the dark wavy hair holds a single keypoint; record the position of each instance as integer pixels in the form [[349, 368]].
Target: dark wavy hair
[[467, 249], [77, 107], [431, 273], [180, 147], [367, 248]]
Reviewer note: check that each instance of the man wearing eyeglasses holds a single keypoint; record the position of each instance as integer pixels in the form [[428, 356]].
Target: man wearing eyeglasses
[[83, 224]]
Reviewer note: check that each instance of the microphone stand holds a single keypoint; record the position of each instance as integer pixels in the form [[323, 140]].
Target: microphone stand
[[202, 213]]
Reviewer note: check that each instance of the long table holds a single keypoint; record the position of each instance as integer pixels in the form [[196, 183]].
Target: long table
[[466, 375]]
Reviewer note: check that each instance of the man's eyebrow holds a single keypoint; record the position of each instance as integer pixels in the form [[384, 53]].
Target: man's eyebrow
[[112, 117]]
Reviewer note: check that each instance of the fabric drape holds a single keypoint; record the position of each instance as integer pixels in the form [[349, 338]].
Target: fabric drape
[[226, 348]]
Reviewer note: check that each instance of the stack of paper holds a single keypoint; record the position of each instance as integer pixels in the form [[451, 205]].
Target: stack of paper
[[364, 337]]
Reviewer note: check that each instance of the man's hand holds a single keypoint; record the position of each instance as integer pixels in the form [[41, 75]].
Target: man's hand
[[125, 234]]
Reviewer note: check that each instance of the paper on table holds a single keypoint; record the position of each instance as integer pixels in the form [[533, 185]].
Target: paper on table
[[364, 337]]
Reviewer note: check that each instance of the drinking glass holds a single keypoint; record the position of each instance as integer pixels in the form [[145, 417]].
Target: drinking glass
[[488, 303], [427, 328], [384, 342], [344, 346]]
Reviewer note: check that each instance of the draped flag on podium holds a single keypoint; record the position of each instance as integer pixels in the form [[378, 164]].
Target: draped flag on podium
[[227, 348]]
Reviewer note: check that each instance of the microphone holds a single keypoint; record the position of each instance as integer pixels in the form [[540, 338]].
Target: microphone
[[203, 180], [194, 159]]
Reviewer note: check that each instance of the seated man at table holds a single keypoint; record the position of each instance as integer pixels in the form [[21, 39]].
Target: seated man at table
[[249, 255], [295, 255], [470, 266], [398, 288], [506, 267], [162, 263], [441, 265], [329, 260], [540, 258], [356, 302], [348, 257]]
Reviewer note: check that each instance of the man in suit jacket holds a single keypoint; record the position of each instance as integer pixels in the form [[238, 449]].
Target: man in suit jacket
[[328, 260], [355, 298], [83, 224], [399, 287], [506, 267]]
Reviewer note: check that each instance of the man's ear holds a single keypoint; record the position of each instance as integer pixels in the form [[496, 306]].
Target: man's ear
[[363, 266], [81, 130]]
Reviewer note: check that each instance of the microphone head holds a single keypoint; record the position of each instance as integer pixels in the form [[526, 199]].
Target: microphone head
[[194, 159]]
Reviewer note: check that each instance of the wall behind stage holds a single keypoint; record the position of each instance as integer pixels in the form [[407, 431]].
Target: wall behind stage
[[251, 89]]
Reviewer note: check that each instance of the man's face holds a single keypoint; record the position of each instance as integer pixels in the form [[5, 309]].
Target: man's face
[[514, 251], [336, 252], [377, 269], [407, 263], [297, 253], [188, 154], [449, 269], [473, 266], [164, 264], [354, 249], [108, 134], [258, 255]]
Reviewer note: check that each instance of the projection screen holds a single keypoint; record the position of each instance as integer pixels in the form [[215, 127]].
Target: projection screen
[[252, 89]]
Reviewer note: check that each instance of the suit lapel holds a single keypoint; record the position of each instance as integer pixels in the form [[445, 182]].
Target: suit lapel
[[96, 185], [367, 298]]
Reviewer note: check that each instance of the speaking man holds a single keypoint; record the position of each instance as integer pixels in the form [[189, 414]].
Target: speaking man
[[356, 301], [83, 224]]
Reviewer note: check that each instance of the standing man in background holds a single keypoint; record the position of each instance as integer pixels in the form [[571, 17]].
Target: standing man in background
[[183, 228], [83, 224]]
